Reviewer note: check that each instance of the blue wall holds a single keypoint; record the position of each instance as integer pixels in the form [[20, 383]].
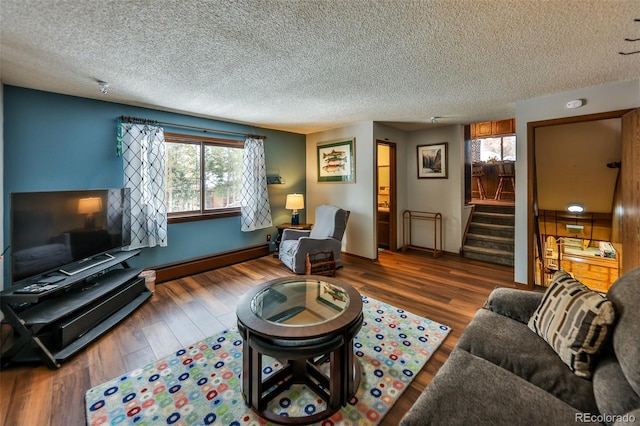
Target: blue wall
[[60, 142]]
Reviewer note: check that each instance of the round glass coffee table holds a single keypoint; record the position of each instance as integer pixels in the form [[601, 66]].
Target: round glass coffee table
[[302, 321]]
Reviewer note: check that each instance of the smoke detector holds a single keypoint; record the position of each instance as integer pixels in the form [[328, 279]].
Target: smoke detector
[[576, 103]]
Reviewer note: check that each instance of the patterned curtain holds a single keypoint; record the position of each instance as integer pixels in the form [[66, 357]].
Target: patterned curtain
[[143, 156], [256, 210]]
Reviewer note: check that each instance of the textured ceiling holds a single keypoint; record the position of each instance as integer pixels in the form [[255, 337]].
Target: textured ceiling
[[306, 66]]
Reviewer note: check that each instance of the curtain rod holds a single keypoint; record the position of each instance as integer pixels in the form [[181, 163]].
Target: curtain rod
[[184, 126]]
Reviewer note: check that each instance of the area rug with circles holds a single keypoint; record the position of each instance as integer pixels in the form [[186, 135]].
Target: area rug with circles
[[200, 384]]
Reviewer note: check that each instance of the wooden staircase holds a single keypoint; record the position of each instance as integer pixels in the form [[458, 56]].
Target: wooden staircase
[[491, 234]]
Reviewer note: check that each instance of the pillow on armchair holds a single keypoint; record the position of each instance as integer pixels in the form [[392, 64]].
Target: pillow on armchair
[[574, 320]]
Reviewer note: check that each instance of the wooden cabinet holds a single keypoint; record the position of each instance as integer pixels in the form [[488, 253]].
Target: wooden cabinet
[[481, 129], [579, 258], [493, 128], [383, 229], [597, 273], [503, 127]]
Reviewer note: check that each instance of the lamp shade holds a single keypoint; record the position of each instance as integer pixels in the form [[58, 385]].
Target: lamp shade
[[89, 205], [294, 202]]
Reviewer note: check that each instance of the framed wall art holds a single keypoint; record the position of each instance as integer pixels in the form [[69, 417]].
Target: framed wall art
[[433, 161], [336, 161]]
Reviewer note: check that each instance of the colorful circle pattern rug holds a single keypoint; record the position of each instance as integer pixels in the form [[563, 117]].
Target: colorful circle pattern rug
[[200, 384]]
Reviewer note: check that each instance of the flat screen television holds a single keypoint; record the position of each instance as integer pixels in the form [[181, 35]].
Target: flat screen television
[[66, 231]]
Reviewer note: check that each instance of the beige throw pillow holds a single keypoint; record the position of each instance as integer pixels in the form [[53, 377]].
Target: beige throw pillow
[[574, 320]]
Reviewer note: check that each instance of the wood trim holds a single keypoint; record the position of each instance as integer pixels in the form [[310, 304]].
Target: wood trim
[[393, 193], [630, 186], [183, 268], [466, 228], [393, 216]]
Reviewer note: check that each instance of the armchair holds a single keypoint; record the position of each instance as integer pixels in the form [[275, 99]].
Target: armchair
[[326, 235]]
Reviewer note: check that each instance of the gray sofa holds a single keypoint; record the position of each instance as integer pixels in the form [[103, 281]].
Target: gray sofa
[[502, 373]]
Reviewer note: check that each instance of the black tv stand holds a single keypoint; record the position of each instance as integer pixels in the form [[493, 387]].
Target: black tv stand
[[53, 325]]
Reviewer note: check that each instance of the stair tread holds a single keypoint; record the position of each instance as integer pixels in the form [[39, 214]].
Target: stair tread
[[491, 237], [494, 214], [485, 250], [483, 257], [492, 225], [493, 208]]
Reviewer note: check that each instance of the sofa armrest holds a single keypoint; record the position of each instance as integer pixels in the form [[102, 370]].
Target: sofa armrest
[[294, 234], [513, 303]]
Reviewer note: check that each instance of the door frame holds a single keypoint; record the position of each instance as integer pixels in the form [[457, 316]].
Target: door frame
[[393, 195], [531, 176]]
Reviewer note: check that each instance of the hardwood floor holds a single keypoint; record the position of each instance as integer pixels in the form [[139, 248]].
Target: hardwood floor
[[448, 290]]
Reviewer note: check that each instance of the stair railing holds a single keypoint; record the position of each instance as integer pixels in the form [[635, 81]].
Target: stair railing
[[466, 228]]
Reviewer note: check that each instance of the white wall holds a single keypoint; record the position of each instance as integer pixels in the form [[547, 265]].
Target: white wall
[[358, 197], [445, 196], [598, 99]]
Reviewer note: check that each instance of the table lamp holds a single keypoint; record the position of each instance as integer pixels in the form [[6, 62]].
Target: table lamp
[[89, 206], [294, 202]]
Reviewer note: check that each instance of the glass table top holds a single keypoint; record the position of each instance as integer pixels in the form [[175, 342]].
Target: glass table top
[[300, 302]]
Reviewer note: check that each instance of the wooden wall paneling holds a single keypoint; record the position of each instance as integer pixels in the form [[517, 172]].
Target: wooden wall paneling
[[616, 222], [630, 173], [597, 226]]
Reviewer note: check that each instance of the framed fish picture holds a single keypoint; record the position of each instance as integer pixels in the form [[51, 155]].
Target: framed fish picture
[[336, 161], [433, 161]]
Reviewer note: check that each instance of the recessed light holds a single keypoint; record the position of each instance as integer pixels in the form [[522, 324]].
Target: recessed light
[[575, 208]]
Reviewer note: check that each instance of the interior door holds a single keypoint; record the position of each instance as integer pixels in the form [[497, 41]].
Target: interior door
[[386, 215]]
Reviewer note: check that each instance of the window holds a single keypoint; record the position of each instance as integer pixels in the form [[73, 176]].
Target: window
[[499, 148], [203, 176]]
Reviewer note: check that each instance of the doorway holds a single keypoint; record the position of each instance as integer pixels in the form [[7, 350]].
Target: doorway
[[535, 245], [386, 192]]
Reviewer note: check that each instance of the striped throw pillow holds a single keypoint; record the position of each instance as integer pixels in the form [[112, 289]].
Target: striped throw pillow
[[574, 321]]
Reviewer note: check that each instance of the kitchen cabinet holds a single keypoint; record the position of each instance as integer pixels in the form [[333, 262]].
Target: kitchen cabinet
[[503, 127], [487, 129], [480, 130]]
